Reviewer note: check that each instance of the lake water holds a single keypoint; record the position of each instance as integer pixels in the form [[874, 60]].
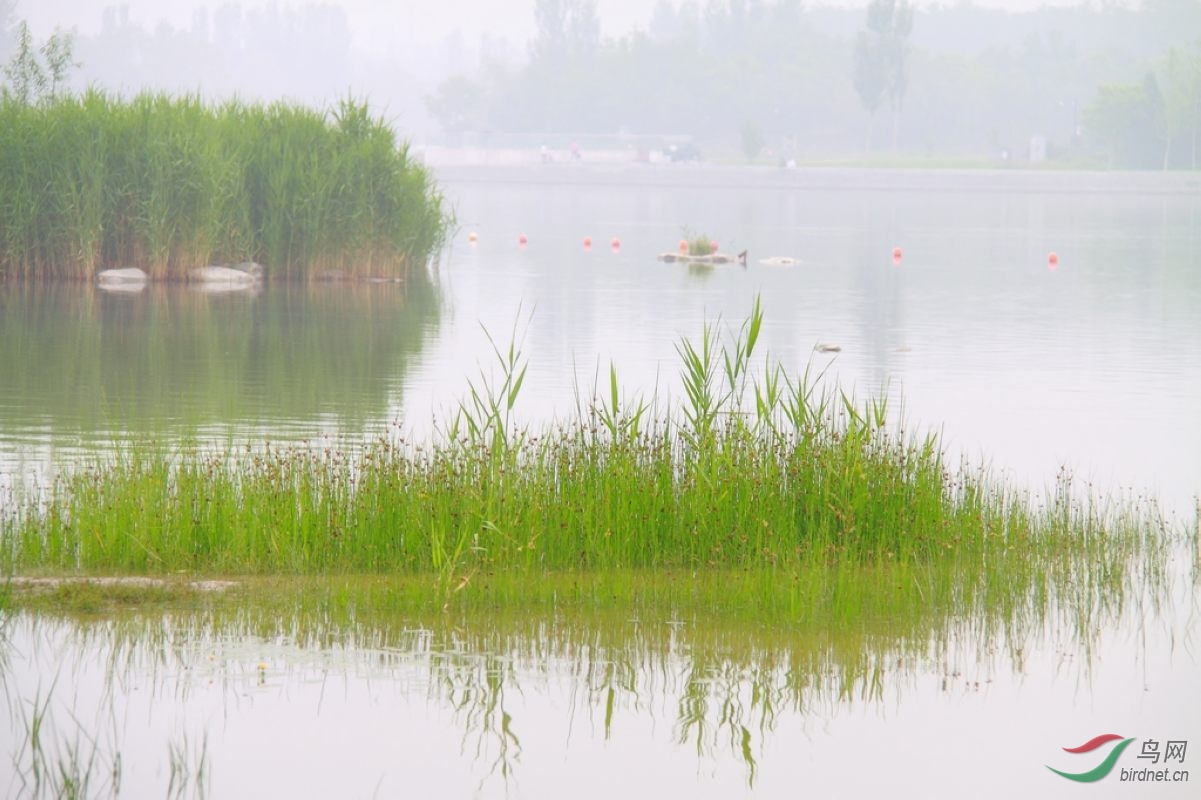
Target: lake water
[[1093, 363]]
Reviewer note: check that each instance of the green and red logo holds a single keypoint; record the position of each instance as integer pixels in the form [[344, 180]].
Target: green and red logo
[[1101, 770]]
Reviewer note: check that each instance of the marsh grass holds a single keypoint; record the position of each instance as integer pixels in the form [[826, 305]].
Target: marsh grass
[[93, 181], [699, 244], [92, 598], [801, 489]]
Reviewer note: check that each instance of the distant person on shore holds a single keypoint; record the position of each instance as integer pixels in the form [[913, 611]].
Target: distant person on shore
[[575, 151], [545, 154]]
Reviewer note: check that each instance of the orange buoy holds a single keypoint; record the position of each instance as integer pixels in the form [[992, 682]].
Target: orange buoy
[[616, 243], [587, 241], [471, 237], [1052, 260], [521, 239], [896, 254]]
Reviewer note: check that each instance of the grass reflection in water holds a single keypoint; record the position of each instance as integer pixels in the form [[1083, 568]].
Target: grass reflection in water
[[601, 657], [767, 552]]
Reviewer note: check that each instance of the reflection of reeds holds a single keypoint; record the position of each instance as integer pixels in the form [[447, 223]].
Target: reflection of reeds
[[66, 760], [475, 684], [189, 768], [168, 184], [724, 685], [128, 363], [54, 763]]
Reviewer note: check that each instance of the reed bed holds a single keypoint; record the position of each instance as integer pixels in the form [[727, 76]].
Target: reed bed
[[754, 473], [164, 183]]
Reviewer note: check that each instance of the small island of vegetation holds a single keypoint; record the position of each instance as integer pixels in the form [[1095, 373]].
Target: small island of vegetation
[[811, 502], [168, 184]]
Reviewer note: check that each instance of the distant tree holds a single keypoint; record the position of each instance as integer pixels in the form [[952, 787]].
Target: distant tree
[[583, 27], [752, 140], [881, 60], [871, 78], [30, 80], [1128, 120], [24, 74], [689, 16], [1167, 20], [787, 13], [704, 67], [1155, 126], [1193, 90], [459, 104], [565, 27], [665, 24], [58, 51], [1182, 102]]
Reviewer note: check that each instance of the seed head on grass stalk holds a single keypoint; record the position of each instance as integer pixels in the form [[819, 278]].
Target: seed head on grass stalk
[[620, 421]]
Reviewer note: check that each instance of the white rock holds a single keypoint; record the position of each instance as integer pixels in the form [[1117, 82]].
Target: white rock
[[247, 274], [124, 275]]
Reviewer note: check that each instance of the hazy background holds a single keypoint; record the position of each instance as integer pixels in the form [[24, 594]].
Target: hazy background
[[381, 24], [1094, 83]]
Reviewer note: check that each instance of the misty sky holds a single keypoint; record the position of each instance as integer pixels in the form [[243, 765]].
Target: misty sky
[[378, 24]]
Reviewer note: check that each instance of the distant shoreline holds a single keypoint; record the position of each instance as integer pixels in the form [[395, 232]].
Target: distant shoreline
[[840, 178]]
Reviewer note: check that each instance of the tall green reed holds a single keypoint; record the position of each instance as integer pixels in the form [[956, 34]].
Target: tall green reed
[[169, 183]]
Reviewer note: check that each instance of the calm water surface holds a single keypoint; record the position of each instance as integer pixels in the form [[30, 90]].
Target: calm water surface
[[585, 705], [1094, 365]]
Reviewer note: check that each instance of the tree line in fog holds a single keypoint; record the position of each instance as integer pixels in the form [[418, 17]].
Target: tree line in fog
[[769, 80], [1102, 86]]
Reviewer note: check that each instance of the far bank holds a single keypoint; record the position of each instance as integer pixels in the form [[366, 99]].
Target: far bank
[[601, 169]]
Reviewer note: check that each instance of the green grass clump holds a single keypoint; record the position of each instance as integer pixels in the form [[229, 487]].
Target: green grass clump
[[754, 472], [93, 181], [86, 597], [700, 245]]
